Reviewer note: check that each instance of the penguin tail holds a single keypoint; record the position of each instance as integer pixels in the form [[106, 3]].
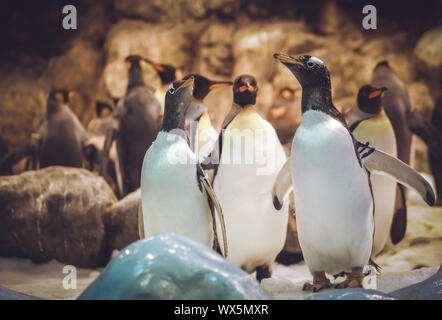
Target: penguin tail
[[375, 265]]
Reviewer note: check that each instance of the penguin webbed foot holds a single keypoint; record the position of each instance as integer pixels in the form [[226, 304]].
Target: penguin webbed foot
[[320, 281], [353, 280], [263, 272]]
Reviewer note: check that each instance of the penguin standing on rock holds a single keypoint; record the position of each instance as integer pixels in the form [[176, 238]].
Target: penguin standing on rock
[[246, 159], [59, 140], [175, 193], [201, 133], [329, 170], [368, 122], [138, 118]]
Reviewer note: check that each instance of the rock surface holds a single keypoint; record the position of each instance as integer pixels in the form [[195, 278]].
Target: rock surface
[[55, 213], [170, 266], [122, 222]]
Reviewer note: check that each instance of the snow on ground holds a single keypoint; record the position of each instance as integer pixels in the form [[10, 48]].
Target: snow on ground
[[421, 249]]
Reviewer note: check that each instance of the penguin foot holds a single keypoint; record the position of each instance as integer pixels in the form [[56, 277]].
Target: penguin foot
[[354, 280], [263, 272], [320, 282]]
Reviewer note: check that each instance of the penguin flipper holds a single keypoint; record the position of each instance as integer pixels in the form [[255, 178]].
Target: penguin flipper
[[379, 162], [213, 202], [399, 223], [282, 186], [140, 221], [111, 135]]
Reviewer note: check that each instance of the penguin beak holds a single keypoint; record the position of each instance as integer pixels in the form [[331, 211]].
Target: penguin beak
[[220, 84], [186, 83], [157, 67], [286, 59], [248, 87], [377, 92]]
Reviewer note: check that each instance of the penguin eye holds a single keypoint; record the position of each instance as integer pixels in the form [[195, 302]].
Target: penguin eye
[[310, 64], [172, 90]]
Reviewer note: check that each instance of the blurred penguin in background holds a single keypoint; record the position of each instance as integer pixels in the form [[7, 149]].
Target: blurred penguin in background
[[431, 133], [167, 74], [59, 139], [98, 127], [138, 119], [285, 114]]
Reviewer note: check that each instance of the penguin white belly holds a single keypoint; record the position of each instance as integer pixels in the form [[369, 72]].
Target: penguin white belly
[[206, 137], [256, 231], [379, 132], [333, 201], [171, 198]]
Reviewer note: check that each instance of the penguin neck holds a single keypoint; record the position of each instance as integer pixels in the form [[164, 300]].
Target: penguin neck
[[135, 78], [173, 120], [236, 108], [52, 107], [316, 97]]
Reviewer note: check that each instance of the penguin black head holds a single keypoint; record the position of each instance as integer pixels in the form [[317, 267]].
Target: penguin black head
[[135, 61], [309, 70], [245, 89], [204, 86], [102, 109], [166, 72], [178, 98], [61, 95], [383, 63], [370, 99]]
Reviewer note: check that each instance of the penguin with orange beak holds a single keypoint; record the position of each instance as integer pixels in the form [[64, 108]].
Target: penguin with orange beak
[[200, 131], [167, 74], [367, 121], [246, 160]]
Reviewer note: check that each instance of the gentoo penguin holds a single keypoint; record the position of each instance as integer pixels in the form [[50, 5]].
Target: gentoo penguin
[[138, 117], [284, 114], [333, 198], [175, 193], [250, 156], [202, 135], [167, 74], [368, 122], [59, 139]]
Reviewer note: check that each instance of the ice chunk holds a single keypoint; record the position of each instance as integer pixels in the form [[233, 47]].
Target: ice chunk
[[430, 288], [171, 266], [350, 294]]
